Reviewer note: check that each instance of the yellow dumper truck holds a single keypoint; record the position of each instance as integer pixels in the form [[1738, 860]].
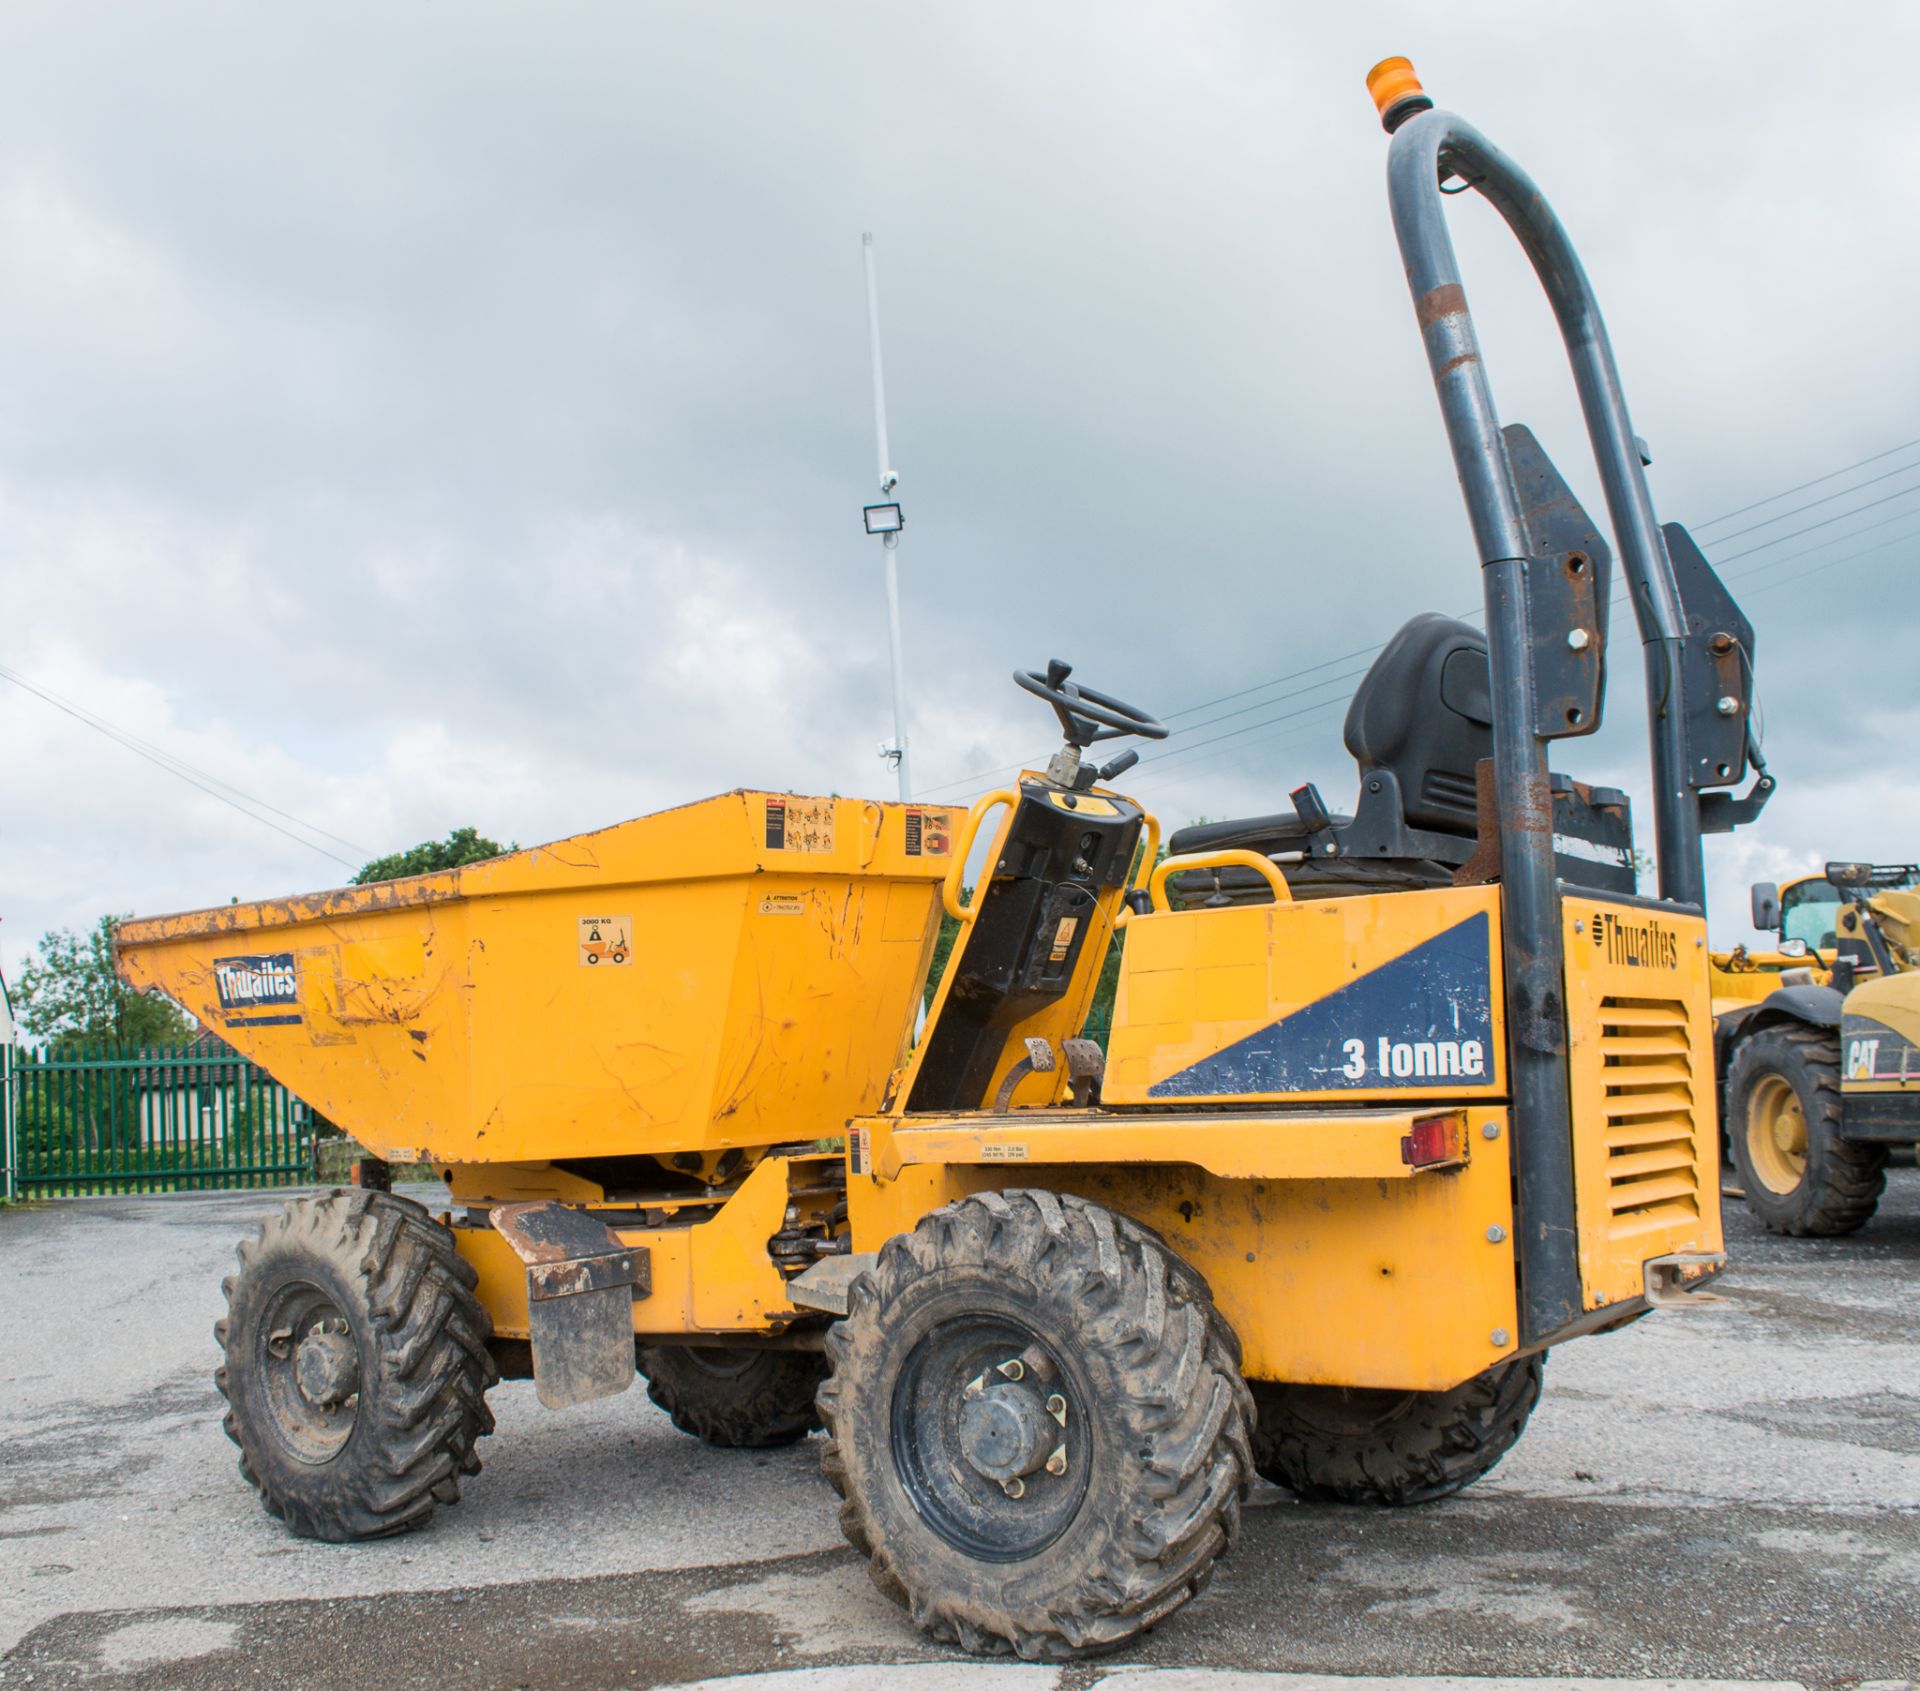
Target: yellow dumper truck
[[1357, 1154]]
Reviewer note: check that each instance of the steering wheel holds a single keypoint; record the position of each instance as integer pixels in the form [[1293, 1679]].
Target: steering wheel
[[1086, 715]]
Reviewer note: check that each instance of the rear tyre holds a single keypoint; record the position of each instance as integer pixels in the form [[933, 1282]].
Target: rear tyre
[[736, 1396], [1038, 1426], [356, 1365], [1335, 1444], [1783, 1116]]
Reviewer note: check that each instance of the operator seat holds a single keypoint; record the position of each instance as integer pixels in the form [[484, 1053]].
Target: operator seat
[[1418, 725]]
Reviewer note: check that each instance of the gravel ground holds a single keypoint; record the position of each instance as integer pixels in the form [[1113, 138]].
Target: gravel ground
[[1731, 1493]]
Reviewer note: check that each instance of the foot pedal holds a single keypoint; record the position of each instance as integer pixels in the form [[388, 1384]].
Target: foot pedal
[[581, 1285]]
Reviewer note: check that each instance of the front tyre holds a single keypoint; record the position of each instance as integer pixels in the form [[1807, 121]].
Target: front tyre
[[1037, 1422], [1338, 1444], [356, 1365], [1783, 1116]]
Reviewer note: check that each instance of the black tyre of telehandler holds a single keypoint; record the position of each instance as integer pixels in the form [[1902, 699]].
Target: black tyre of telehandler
[[736, 1396], [1783, 1119], [356, 1365], [1333, 1444], [1037, 1424]]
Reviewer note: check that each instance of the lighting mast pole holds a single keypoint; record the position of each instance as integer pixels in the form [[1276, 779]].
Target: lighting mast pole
[[887, 522]]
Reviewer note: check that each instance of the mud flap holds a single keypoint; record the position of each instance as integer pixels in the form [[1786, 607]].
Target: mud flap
[[581, 1285]]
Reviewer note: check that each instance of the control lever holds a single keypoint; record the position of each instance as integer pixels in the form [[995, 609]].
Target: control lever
[[1120, 765], [1317, 820]]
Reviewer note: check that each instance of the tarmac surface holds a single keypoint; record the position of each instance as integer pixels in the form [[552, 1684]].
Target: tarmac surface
[[1726, 1494]]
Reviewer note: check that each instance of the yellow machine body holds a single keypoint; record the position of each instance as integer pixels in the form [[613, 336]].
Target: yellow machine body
[[763, 1008]]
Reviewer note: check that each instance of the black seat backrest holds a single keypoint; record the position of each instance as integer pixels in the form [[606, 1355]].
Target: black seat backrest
[[1425, 713]]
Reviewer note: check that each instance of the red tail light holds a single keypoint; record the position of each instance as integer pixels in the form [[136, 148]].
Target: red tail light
[[1433, 1141]]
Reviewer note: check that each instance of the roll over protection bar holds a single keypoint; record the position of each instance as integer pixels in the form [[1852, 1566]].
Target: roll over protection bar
[[1429, 146]]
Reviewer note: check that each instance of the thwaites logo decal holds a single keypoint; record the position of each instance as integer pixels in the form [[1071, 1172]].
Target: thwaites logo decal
[[1424, 1016], [261, 991], [1637, 942]]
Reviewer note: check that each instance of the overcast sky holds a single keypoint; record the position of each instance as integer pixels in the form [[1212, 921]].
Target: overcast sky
[[427, 416]]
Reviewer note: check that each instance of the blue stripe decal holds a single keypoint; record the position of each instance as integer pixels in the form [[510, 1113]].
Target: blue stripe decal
[[1424, 1016]]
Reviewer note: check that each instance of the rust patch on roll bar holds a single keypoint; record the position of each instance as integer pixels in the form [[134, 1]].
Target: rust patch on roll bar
[[1447, 300]]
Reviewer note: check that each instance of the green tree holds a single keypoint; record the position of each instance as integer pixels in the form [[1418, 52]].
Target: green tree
[[462, 846], [69, 994]]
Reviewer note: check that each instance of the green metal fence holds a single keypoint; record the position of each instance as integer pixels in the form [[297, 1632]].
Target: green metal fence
[[160, 1119]]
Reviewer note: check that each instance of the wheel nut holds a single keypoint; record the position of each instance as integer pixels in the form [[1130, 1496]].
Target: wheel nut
[[1057, 1408], [1057, 1462], [1015, 1487], [1014, 1370]]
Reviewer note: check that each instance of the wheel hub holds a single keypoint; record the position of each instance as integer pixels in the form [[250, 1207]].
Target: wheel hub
[[980, 1428], [1777, 1135], [1006, 1432], [326, 1366]]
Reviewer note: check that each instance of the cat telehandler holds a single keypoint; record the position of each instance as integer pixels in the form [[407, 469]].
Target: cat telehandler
[[1818, 1044], [1355, 1157]]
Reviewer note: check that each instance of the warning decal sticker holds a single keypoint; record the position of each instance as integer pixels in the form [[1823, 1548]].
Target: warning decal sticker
[[606, 941], [799, 824], [929, 833], [783, 904]]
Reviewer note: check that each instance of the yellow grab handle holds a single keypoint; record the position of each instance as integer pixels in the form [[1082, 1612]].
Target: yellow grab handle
[[950, 887], [1157, 887], [1124, 913]]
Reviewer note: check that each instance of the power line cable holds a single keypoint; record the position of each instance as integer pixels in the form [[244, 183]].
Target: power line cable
[[133, 741], [1801, 575], [1368, 651], [1825, 522], [159, 760], [1825, 499], [1784, 493], [1619, 602]]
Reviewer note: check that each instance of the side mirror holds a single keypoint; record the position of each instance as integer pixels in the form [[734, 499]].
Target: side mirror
[[1766, 906]]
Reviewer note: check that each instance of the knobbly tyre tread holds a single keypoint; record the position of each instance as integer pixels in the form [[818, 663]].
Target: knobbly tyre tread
[[770, 1403], [1844, 1182], [415, 1433], [1435, 1444], [1183, 1413]]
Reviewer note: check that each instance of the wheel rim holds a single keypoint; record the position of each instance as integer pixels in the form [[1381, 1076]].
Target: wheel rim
[[309, 1360], [988, 1438], [1776, 1135]]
